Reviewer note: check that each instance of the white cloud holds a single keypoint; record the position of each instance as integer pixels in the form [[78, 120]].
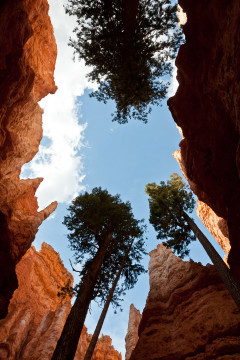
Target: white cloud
[[174, 83], [59, 162]]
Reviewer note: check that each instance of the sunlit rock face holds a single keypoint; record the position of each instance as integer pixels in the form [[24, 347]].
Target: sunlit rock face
[[131, 338], [103, 350], [37, 315], [207, 107], [216, 226], [27, 61], [189, 313]]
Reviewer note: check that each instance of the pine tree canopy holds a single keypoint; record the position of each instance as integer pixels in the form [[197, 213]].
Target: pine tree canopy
[[92, 217], [130, 46], [167, 202]]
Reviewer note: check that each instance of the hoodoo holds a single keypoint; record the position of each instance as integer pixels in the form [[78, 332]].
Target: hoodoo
[[189, 313], [37, 315]]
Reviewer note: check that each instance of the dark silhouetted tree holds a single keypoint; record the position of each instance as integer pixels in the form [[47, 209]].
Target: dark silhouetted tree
[[130, 46], [102, 228], [98, 328], [169, 203]]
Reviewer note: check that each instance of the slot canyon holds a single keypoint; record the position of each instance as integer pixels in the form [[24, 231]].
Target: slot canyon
[[189, 314]]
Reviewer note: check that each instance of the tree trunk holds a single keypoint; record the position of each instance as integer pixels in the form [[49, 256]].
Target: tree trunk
[[68, 341], [232, 286], [95, 336], [130, 9]]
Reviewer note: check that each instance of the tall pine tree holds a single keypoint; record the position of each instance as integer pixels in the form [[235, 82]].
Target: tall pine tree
[[130, 46], [98, 328], [101, 229], [169, 203]]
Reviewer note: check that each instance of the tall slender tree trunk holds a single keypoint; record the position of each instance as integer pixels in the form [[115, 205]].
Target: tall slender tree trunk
[[232, 286], [129, 11], [68, 341], [95, 336]]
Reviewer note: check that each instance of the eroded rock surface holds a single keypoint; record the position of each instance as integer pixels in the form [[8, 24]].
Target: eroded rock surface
[[216, 226], [104, 349], [131, 338], [207, 107], [27, 61], [35, 311], [37, 315], [189, 313]]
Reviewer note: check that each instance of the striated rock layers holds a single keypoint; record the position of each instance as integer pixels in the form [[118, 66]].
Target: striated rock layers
[[207, 107], [189, 314], [27, 61], [37, 315]]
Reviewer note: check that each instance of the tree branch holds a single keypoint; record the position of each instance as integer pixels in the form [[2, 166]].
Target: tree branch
[[73, 267]]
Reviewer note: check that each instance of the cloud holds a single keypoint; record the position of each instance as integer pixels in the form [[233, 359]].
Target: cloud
[[174, 83], [59, 160]]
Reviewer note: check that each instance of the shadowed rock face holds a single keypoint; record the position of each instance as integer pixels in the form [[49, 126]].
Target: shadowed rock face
[[37, 315], [27, 61], [207, 107], [189, 313]]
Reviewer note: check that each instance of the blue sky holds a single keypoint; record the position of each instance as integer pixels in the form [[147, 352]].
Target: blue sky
[[122, 159], [82, 148]]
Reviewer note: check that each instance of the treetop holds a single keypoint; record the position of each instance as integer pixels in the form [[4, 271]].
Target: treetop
[[129, 46], [94, 216], [167, 203]]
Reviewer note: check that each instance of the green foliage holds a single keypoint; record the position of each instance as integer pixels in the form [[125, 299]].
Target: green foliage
[[130, 46], [167, 203], [92, 217], [65, 291]]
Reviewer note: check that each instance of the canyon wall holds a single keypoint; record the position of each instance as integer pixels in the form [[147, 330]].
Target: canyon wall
[[189, 314], [206, 107], [216, 226], [27, 61], [37, 315]]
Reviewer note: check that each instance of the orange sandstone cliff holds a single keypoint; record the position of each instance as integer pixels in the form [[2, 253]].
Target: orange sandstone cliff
[[189, 314], [37, 315], [206, 107], [27, 61]]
